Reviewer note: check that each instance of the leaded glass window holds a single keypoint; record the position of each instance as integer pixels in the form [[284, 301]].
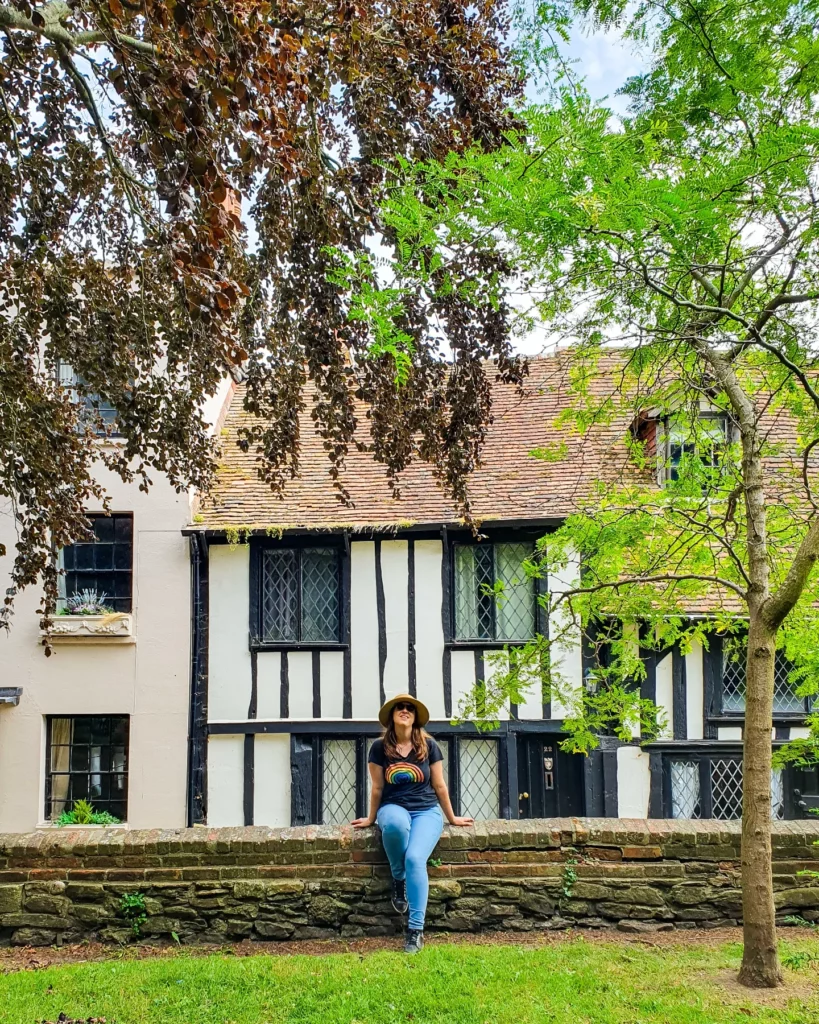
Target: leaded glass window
[[484, 610], [712, 787], [785, 699], [339, 782], [685, 789], [300, 595], [87, 760], [479, 784], [99, 571]]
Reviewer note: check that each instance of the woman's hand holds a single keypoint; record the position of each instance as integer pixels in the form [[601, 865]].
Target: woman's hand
[[362, 823], [460, 821]]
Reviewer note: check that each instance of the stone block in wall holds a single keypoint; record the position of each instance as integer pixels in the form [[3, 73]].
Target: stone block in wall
[[805, 896], [24, 920], [11, 899], [279, 930], [643, 895], [33, 937]]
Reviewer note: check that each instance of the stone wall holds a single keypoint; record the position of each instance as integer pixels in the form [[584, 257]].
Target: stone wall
[[217, 885]]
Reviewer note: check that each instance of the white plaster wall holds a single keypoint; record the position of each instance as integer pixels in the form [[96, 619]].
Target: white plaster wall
[[665, 695], [799, 732], [395, 576], [729, 732], [429, 627], [532, 707], [300, 672], [268, 684], [566, 654], [332, 684], [463, 677], [229, 675], [694, 692], [496, 663], [633, 782], [147, 680], [364, 632], [271, 788], [226, 781]]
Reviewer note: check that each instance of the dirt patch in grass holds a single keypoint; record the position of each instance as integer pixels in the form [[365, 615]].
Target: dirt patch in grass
[[801, 986], [29, 958]]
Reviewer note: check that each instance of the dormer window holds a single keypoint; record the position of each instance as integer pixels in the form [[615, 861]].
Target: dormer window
[[674, 440], [682, 442]]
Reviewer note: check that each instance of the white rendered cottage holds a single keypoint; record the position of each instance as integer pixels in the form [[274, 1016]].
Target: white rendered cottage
[[307, 614]]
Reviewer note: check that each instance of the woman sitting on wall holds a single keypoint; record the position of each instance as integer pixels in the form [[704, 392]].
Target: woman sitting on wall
[[407, 794]]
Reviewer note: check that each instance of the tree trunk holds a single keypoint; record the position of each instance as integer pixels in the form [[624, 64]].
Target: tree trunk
[[760, 964]]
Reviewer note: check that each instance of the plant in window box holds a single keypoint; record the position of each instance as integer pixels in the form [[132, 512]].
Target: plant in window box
[[86, 602], [83, 813], [87, 615]]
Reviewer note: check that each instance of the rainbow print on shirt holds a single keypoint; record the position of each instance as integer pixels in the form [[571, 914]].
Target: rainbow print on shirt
[[402, 772]]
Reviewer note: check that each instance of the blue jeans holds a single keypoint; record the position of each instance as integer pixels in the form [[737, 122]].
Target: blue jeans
[[409, 837]]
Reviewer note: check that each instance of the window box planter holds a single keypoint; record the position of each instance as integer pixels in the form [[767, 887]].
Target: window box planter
[[53, 826], [116, 627]]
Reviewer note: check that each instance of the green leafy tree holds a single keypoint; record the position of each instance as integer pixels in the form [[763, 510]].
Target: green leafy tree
[[181, 184], [678, 249]]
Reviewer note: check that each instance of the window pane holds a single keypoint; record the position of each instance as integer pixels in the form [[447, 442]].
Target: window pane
[[338, 783], [123, 529], [319, 595], [102, 567], [279, 599], [685, 789], [104, 529], [479, 778], [516, 607], [84, 765], [444, 745], [473, 607], [122, 556], [785, 700], [84, 556], [726, 789], [103, 557]]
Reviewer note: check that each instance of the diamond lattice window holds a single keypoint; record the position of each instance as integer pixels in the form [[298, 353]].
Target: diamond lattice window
[[777, 795], [300, 599], [494, 596], [338, 782], [685, 789], [479, 778], [726, 789], [785, 700], [444, 745]]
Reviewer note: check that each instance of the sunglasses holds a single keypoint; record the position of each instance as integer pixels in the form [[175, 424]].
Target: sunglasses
[[402, 706]]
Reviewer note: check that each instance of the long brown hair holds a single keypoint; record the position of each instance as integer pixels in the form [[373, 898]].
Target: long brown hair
[[419, 740]]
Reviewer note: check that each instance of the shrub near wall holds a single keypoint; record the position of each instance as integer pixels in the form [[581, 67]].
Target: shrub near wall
[[213, 885]]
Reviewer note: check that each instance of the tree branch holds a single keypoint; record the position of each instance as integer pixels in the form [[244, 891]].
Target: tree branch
[[775, 610], [639, 580], [53, 29]]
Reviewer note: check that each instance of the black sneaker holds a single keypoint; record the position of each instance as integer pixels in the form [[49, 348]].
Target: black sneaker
[[399, 896], [414, 942]]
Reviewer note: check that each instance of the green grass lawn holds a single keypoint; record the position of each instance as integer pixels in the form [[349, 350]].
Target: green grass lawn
[[571, 982]]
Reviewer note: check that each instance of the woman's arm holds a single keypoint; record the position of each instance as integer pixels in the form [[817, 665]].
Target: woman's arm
[[376, 786], [436, 777]]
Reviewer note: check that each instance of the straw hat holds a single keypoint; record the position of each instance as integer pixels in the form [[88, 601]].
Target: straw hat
[[421, 711]]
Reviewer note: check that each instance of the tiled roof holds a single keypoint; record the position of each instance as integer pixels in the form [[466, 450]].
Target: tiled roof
[[509, 484]]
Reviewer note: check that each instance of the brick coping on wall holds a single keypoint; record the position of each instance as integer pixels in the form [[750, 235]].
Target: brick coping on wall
[[224, 884], [490, 848]]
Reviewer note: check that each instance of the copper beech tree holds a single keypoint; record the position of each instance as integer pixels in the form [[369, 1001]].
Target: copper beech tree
[[183, 187]]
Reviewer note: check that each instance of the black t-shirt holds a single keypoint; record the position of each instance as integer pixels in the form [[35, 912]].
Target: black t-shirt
[[406, 779]]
